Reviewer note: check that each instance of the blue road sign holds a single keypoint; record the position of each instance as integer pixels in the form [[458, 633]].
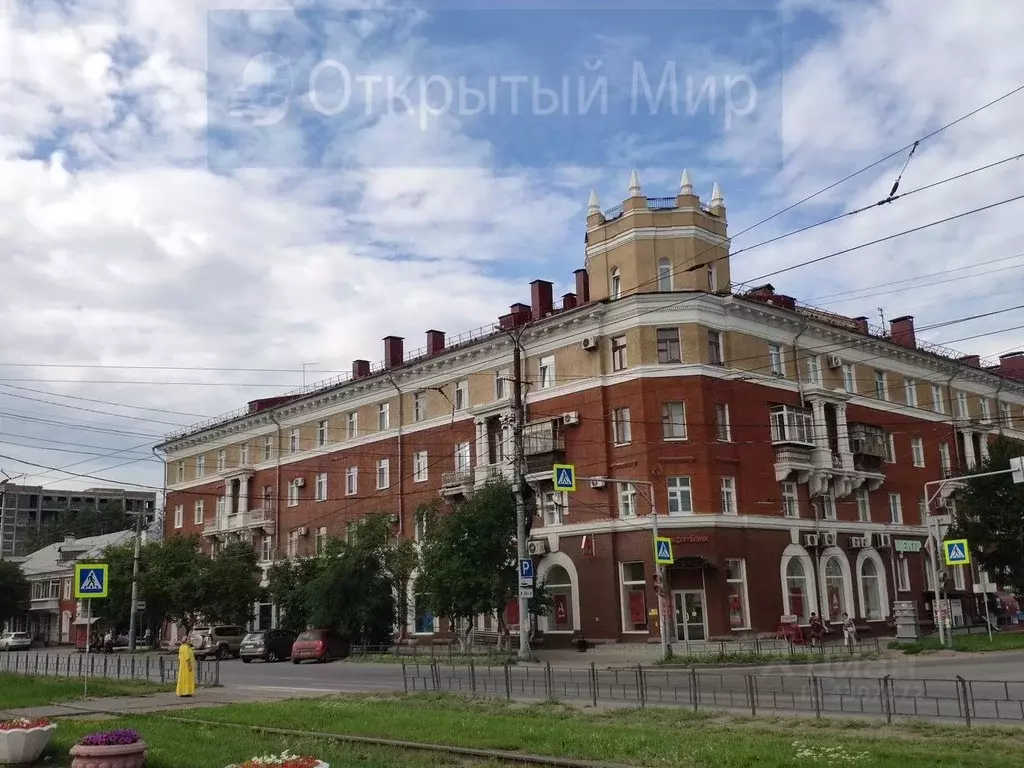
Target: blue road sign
[[564, 477], [956, 552], [526, 569], [663, 551], [90, 580]]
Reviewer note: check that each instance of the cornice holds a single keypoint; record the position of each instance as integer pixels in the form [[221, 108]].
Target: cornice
[[655, 233]]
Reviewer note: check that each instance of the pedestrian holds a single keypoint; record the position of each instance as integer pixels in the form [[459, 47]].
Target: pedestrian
[[817, 630], [849, 631], [186, 670]]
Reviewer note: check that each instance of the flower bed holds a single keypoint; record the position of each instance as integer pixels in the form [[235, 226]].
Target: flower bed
[[119, 737], [285, 760], [123, 748], [23, 740]]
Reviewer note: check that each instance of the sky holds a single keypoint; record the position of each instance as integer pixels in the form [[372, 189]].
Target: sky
[[203, 203]]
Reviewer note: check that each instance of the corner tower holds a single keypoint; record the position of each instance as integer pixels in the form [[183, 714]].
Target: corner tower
[[657, 244]]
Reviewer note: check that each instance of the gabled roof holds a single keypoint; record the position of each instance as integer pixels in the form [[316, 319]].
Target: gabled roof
[[47, 560]]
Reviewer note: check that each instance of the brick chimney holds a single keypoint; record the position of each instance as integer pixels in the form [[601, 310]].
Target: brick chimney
[[542, 299], [860, 324], [360, 369], [582, 285], [972, 360], [393, 353], [435, 342], [1012, 365], [901, 331], [569, 301]]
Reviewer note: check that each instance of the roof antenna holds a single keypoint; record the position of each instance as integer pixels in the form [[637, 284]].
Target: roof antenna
[[881, 314]]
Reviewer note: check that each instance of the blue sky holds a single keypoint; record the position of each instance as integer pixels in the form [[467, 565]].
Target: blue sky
[[170, 260]]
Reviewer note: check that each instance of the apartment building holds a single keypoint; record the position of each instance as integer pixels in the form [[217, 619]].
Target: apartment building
[[24, 508], [787, 447]]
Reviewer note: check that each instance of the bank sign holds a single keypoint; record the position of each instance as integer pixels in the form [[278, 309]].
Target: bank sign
[[907, 545]]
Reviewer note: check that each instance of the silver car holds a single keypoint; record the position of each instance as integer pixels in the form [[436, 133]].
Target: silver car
[[15, 641]]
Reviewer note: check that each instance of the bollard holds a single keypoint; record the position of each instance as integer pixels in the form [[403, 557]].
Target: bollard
[[641, 694], [963, 695], [593, 683]]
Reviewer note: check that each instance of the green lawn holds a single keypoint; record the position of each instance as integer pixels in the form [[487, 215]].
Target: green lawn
[[652, 738], [973, 643], [19, 691]]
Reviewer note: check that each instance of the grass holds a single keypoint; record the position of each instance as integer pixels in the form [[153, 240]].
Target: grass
[[653, 737], [1010, 641], [19, 691]]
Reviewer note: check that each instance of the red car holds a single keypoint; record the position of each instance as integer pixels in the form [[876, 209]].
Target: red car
[[319, 645]]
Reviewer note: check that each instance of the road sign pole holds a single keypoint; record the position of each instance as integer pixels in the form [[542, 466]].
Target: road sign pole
[[88, 643], [662, 571]]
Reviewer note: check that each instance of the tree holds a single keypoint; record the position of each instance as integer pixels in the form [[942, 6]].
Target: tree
[[288, 589], [230, 585], [990, 516], [14, 591], [468, 559]]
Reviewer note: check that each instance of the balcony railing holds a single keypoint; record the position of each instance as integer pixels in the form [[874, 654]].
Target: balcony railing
[[45, 604], [456, 480], [501, 470], [534, 445], [259, 517]]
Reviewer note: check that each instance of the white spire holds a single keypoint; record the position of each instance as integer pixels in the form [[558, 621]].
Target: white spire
[[716, 196], [634, 185], [593, 205], [685, 186]]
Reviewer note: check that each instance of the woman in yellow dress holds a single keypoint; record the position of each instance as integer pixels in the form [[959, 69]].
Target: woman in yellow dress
[[186, 670]]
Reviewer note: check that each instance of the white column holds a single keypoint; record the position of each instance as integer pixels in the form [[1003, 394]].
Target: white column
[[843, 435], [481, 443], [227, 500], [968, 449], [984, 446], [243, 494]]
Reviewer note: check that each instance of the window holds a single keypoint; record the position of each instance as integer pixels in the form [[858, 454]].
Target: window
[[917, 451], [680, 496], [321, 433], [890, 448], [1005, 416], [501, 385], [664, 275], [621, 433], [243, 454], [352, 425], [849, 382], [553, 505], [929, 574], [201, 466], [198, 512], [462, 395], [986, 409], [222, 460], [712, 278], [835, 590], [321, 540], [776, 366], [634, 597], [797, 600], [221, 508], [546, 372], [673, 421], [910, 392], [791, 424], [814, 370], [863, 505], [293, 441], [736, 593], [293, 543], [902, 574], [383, 474], [895, 509], [729, 496], [962, 411], [268, 447], [922, 510], [723, 431], [420, 529], [881, 386], [463, 457], [619, 361], [321, 487], [293, 494], [668, 346], [181, 471], [627, 500], [790, 500], [419, 406], [419, 466], [958, 577], [384, 416], [715, 354], [559, 586], [352, 481], [615, 287], [870, 587], [938, 401], [828, 505], [944, 459]]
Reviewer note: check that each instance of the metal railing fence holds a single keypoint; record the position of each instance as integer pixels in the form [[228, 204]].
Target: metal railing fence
[[148, 668]]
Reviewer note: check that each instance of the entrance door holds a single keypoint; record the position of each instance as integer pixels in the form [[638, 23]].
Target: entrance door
[[691, 624]]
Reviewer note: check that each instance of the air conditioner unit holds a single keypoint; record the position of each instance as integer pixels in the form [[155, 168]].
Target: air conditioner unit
[[598, 484], [299, 482], [571, 419], [883, 540], [539, 547], [810, 540], [858, 542], [829, 539], [835, 361], [589, 343]]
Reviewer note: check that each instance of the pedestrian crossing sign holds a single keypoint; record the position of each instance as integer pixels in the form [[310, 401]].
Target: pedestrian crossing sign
[[663, 551], [90, 580], [956, 552], [564, 477]]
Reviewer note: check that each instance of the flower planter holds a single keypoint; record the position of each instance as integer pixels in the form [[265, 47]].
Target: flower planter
[[110, 756], [24, 745]]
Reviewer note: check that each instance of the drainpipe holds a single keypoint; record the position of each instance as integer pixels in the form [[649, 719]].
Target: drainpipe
[[277, 491], [999, 407], [401, 456], [952, 420], [796, 362]]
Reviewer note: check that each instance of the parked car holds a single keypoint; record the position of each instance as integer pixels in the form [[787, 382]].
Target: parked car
[[15, 641], [220, 641], [268, 645], [319, 645]]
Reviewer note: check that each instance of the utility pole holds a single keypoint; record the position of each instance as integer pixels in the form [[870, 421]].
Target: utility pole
[[132, 629], [519, 483]]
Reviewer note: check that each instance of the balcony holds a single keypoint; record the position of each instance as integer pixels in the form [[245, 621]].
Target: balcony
[[45, 604], [458, 482], [542, 452], [793, 459], [501, 470], [259, 518]]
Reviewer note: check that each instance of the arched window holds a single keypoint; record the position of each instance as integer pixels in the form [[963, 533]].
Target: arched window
[[615, 291], [664, 275], [559, 585], [870, 586], [424, 621], [835, 590], [796, 590]]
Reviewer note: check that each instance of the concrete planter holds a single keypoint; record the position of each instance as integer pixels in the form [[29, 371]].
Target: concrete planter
[[114, 756], [24, 746]]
